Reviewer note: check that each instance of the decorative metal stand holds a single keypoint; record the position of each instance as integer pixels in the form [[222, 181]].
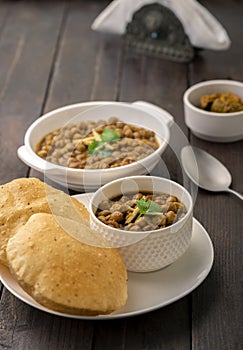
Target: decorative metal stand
[[155, 30]]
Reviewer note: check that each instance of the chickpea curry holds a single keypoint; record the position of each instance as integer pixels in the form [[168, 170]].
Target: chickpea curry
[[143, 211], [97, 145]]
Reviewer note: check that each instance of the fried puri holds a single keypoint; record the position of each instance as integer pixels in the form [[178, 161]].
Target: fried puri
[[21, 198], [64, 274]]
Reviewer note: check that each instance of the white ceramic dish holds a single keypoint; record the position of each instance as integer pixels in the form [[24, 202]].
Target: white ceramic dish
[[210, 126], [151, 250], [138, 113], [146, 291]]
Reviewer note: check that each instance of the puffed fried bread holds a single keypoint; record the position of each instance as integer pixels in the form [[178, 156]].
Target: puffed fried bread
[[21, 198], [64, 274]]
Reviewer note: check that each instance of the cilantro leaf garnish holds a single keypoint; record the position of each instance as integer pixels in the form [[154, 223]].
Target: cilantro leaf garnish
[[143, 205], [93, 146], [154, 208], [109, 135], [148, 207], [98, 148]]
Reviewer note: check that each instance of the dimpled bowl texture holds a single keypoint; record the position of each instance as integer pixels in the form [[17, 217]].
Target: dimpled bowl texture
[[140, 113], [152, 250], [211, 126]]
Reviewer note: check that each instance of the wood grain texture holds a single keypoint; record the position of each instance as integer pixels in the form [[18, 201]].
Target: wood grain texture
[[219, 324], [26, 58], [81, 61]]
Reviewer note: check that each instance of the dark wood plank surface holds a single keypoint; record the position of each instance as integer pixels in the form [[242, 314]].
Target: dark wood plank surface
[[221, 295], [49, 57]]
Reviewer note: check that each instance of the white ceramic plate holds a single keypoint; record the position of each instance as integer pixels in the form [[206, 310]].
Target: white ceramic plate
[[146, 291]]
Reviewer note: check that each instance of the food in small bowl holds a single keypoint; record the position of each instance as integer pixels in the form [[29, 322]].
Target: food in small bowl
[[148, 218], [224, 102], [90, 149], [141, 211], [214, 110]]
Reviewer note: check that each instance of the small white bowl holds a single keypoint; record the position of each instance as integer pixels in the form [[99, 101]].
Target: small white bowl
[[139, 113], [152, 250], [211, 126]]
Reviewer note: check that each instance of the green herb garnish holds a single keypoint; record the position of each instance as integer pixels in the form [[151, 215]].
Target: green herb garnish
[[109, 135], [94, 145], [148, 207], [98, 148]]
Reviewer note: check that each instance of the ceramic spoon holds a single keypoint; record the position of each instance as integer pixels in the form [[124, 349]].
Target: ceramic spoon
[[206, 171]]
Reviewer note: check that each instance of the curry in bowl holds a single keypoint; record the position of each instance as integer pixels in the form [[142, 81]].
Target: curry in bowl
[[226, 102], [97, 145], [141, 211]]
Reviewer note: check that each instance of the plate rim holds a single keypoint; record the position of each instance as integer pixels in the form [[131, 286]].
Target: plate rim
[[31, 302]]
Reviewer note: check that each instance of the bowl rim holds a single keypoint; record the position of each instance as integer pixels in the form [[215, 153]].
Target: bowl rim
[[46, 165], [199, 85], [150, 178]]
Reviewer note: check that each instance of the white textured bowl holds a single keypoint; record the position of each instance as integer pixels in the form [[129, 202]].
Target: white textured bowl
[[211, 126], [139, 113], [152, 250]]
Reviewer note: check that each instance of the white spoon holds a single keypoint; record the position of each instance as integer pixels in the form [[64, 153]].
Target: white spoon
[[206, 171]]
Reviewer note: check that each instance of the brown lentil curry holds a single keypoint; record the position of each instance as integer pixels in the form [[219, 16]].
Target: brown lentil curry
[[143, 211], [97, 145]]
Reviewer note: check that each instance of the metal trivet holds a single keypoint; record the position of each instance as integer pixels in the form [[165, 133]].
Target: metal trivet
[[155, 30]]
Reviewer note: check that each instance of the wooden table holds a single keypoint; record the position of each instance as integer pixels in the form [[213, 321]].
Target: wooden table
[[49, 57]]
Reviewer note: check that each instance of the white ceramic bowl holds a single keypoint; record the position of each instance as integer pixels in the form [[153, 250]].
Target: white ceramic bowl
[[211, 126], [152, 250], [139, 113]]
